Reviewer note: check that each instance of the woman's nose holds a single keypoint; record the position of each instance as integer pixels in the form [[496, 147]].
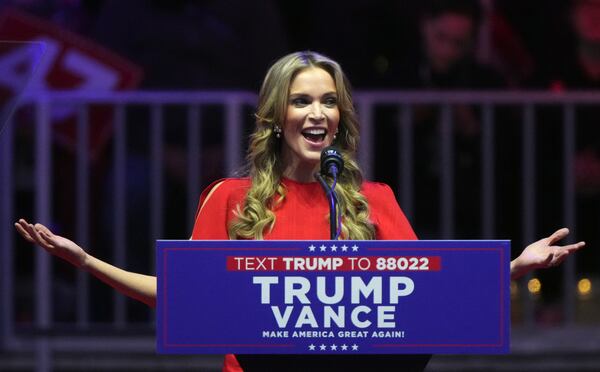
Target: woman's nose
[[316, 112]]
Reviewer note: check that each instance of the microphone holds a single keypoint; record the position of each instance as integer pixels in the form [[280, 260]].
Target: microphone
[[332, 162]]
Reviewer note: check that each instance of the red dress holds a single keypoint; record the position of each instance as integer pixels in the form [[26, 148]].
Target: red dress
[[303, 215]]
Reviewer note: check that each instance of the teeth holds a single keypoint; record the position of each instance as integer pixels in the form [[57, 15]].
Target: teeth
[[315, 131]]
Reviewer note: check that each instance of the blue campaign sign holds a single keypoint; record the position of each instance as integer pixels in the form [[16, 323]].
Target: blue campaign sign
[[333, 297]]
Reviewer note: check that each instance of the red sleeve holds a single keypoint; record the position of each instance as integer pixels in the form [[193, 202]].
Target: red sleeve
[[390, 222], [213, 214]]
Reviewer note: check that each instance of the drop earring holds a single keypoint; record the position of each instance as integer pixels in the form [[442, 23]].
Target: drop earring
[[335, 135], [277, 131]]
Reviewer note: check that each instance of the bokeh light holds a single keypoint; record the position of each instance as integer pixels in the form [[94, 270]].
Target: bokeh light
[[534, 286], [584, 287]]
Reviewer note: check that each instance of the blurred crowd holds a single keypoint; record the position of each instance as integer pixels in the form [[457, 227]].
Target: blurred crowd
[[433, 44]]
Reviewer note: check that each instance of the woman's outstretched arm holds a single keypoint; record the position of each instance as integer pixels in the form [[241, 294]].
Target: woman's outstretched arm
[[543, 254], [138, 286]]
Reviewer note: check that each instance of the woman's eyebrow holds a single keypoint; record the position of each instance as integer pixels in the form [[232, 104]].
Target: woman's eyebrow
[[301, 94]]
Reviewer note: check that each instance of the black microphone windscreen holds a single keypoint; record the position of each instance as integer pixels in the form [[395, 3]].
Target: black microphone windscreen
[[331, 156]]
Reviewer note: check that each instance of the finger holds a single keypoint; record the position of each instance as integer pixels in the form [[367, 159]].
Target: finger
[[558, 253], [24, 232], [29, 228], [34, 234], [561, 259], [43, 228], [48, 240], [558, 235], [570, 248], [573, 247], [23, 223], [558, 259]]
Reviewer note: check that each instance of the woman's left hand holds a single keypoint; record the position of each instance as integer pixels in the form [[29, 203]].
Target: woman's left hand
[[543, 254]]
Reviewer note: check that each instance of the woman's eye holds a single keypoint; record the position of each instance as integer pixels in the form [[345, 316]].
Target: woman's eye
[[330, 101], [299, 102]]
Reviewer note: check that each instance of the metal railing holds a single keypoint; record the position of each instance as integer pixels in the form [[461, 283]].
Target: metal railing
[[233, 126]]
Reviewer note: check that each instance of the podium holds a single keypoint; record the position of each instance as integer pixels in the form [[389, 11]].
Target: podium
[[333, 297]]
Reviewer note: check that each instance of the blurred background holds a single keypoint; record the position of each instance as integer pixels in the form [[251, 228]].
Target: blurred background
[[114, 115]]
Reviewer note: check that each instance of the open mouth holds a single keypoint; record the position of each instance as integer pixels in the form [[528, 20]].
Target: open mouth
[[315, 135]]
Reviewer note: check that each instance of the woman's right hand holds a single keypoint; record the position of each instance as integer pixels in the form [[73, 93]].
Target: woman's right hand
[[55, 244]]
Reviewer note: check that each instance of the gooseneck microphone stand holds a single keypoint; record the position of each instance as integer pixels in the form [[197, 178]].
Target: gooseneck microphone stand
[[332, 164], [332, 197]]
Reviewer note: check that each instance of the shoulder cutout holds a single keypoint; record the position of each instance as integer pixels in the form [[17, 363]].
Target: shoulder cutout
[[212, 190]]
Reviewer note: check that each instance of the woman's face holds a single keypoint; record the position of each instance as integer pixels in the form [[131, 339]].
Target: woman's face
[[311, 119]]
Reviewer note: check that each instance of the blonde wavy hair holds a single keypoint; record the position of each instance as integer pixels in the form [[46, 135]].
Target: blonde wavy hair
[[264, 165]]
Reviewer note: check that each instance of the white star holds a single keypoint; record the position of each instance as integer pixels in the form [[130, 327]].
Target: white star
[[344, 347], [323, 248], [323, 347], [355, 347], [354, 248], [344, 248], [334, 347], [311, 347], [334, 248], [311, 248]]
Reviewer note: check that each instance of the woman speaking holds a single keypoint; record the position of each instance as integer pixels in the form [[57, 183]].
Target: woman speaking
[[304, 106]]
